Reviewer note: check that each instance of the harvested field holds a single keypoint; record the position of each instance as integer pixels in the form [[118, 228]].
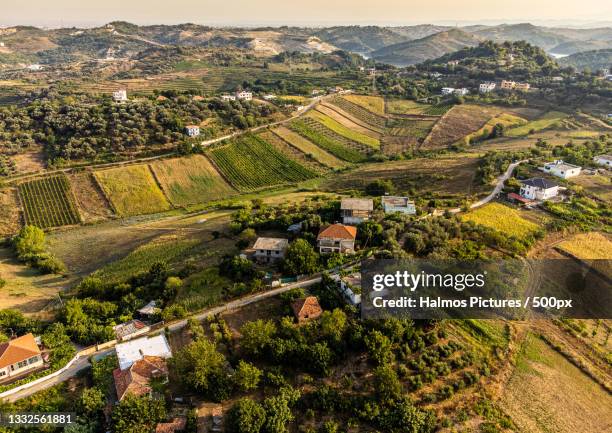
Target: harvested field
[[502, 218], [29, 162], [404, 106], [363, 114], [292, 152], [339, 128], [598, 185], [398, 145], [460, 121], [309, 148], [190, 180], [375, 104], [9, 212], [90, 200], [588, 246], [48, 202], [347, 120], [132, 190]]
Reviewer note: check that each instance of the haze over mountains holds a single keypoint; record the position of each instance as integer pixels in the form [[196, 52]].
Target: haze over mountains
[[395, 45]]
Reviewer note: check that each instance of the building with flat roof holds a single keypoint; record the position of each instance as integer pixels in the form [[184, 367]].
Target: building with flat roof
[[562, 169], [134, 350], [393, 204], [356, 210], [270, 249]]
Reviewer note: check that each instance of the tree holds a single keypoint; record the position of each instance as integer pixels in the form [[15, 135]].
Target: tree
[[379, 187], [246, 416], [29, 241], [257, 335], [301, 258], [137, 414], [247, 376], [379, 347], [370, 233], [278, 410], [333, 324], [386, 383], [92, 400]]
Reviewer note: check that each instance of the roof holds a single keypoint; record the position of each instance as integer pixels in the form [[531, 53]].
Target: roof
[[176, 424], [135, 380], [338, 231], [606, 157], [357, 204], [128, 328], [515, 196], [192, 126], [306, 307], [561, 165], [539, 182], [270, 244], [134, 350], [150, 309], [18, 349], [396, 201]]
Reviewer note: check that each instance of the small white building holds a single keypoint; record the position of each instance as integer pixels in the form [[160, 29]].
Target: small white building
[[128, 330], [356, 210], [35, 67], [192, 130], [135, 350], [244, 95], [269, 250], [228, 97], [120, 95], [448, 90], [561, 169], [604, 160], [461, 92], [486, 87], [1, 44], [538, 188], [392, 204], [269, 97], [435, 75], [350, 287]]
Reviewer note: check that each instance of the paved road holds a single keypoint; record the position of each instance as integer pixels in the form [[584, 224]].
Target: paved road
[[499, 186]]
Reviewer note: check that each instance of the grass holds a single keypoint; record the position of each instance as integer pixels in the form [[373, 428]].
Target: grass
[[344, 131], [506, 119], [48, 202], [325, 142], [502, 218], [132, 190], [375, 104], [203, 289], [588, 246], [549, 120], [405, 106], [190, 180], [309, 148], [598, 185]]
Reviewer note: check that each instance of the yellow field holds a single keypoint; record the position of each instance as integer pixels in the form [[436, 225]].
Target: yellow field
[[375, 104], [502, 218], [549, 119], [309, 148], [343, 130], [347, 120], [132, 190], [506, 119], [190, 180], [588, 246], [405, 106], [596, 184]]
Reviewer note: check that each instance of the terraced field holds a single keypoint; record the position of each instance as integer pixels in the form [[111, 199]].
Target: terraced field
[[190, 180], [506, 119], [361, 113], [348, 121], [132, 190], [340, 129], [391, 146], [502, 218], [330, 141], [48, 202], [375, 104], [404, 106], [548, 120], [251, 163], [296, 143], [409, 128]]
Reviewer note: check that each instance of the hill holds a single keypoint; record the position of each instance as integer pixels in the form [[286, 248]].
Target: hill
[[429, 47], [593, 60], [580, 46], [535, 35]]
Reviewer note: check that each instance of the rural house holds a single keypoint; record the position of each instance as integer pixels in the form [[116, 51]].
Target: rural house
[[350, 287], [507, 85], [244, 95], [120, 95], [561, 169], [228, 97], [177, 424], [149, 310], [136, 379], [448, 90], [522, 87], [128, 330], [337, 238], [270, 249], [356, 210], [192, 130], [605, 160], [538, 188], [19, 356], [461, 92], [486, 87], [134, 350], [392, 204], [306, 309]]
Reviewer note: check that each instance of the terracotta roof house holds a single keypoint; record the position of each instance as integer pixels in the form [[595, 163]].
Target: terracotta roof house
[[131, 329], [356, 210], [177, 424], [337, 238], [19, 356], [136, 379], [306, 309]]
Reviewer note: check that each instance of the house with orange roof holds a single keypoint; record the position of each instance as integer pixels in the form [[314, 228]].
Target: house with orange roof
[[18, 356], [337, 238], [177, 424], [306, 309], [136, 380]]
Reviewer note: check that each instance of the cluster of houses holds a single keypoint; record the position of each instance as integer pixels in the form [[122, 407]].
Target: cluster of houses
[[489, 86], [452, 91], [241, 95]]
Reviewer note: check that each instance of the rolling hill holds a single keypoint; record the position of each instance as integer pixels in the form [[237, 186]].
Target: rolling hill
[[593, 60]]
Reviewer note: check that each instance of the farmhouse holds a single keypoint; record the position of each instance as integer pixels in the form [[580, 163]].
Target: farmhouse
[[134, 350], [136, 379], [269, 97], [177, 424], [149, 310], [120, 95], [19, 356], [35, 67], [447, 90], [561, 169], [228, 97], [452, 62], [337, 238], [356, 210], [461, 92], [244, 95], [128, 330], [192, 130], [392, 204], [522, 87], [605, 160], [538, 188], [486, 87], [507, 85], [306, 309], [270, 249]]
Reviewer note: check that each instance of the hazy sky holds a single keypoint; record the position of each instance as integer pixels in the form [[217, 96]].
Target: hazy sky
[[253, 12]]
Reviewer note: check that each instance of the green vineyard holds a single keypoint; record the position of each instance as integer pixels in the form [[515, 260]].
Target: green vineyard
[[409, 127], [314, 131], [48, 202], [360, 113], [250, 163]]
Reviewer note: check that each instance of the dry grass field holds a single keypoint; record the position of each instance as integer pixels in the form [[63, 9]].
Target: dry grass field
[[190, 180], [588, 246], [548, 120], [506, 119], [502, 218], [132, 190], [375, 104], [354, 119], [9, 212], [347, 120], [404, 106], [293, 152], [308, 148], [598, 185], [90, 200]]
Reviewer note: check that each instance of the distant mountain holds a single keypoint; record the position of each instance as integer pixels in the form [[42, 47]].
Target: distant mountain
[[540, 36], [594, 60], [580, 46], [360, 39], [430, 47]]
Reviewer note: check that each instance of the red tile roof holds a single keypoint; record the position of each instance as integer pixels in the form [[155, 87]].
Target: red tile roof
[[306, 308], [135, 380], [338, 231], [18, 349], [176, 424]]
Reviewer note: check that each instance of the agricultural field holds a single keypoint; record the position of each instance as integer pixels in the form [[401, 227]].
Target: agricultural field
[[405, 106], [90, 200], [48, 202], [409, 127], [190, 180], [457, 123], [588, 246], [361, 113], [391, 145], [203, 289], [506, 119], [326, 139], [347, 120], [340, 129], [437, 110], [502, 218], [296, 143], [548, 120], [375, 104], [597, 184], [132, 190], [250, 163], [9, 211]]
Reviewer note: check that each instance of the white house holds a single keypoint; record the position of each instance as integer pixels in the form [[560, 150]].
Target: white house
[[269, 97], [35, 67], [350, 287], [228, 97], [18, 356], [392, 204], [435, 75], [561, 169], [461, 92], [356, 210], [605, 160], [1, 44], [244, 95], [192, 130], [120, 95], [128, 330], [538, 188], [486, 87], [337, 238], [270, 249], [135, 350], [447, 90]]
